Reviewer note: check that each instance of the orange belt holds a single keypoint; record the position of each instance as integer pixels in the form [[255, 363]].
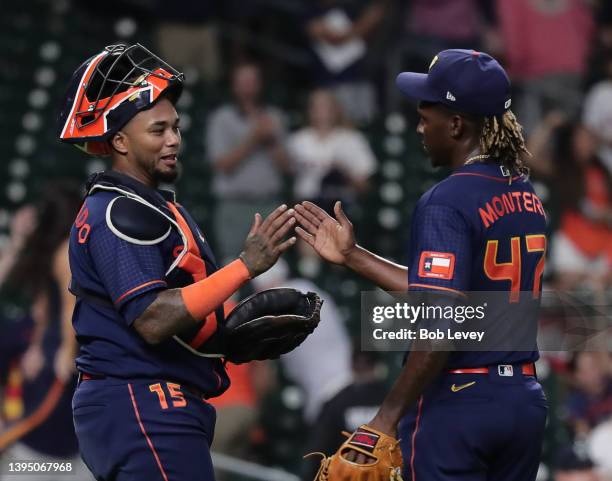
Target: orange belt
[[527, 370]]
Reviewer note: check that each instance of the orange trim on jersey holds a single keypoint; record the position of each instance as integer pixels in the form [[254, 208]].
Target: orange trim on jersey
[[207, 330], [39, 416], [455, 291], [414, 433], [144, 432], [490, 177], [192, 261], [131, 291]]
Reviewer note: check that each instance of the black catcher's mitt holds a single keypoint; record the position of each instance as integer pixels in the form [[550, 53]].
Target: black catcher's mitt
[[269, 323]]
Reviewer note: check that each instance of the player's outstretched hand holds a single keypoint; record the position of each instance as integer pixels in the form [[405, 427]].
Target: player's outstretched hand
[[333, 239], [265, 241]]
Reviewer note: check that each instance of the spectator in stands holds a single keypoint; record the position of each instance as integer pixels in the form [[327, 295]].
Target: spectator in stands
[[547, 44], [565, 154], [602, 44], [332, 160], [590, 401], [15, 321], [429, 27], [597, 114], [436, 26], [339, 32], [41, 271], [599, 442], [187, 37], [570, 466], [326, 352], [353, 406], [245, 142], [22, 225]]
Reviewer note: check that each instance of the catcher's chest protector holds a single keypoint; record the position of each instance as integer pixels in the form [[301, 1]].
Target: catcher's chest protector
[[141, 216]]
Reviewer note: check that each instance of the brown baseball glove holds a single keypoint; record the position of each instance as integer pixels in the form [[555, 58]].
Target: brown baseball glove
[[384, 458]]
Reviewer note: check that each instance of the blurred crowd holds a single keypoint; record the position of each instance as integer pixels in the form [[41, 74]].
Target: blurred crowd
[[335, 62], [557, 52]]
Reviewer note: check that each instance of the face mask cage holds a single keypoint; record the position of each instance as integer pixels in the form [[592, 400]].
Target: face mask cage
[[121, 69]]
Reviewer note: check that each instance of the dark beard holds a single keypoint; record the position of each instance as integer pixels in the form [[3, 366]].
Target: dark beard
[[167, 177]]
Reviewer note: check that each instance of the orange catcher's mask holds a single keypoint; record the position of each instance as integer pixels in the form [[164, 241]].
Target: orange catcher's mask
[[110, 88]]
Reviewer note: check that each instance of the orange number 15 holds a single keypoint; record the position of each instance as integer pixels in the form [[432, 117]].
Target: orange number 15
[[178, 399]]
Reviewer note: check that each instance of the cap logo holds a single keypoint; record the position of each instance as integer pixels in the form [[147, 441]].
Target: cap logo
[[508, 103], [450, 97], [433, 62]]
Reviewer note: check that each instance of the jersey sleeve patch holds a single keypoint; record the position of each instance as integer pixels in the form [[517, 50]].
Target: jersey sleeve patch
[[437, 265]]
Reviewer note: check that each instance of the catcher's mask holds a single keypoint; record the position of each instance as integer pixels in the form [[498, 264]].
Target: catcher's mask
[[110, 88]]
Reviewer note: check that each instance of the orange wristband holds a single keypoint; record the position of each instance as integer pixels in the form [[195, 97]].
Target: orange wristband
[[205, 296]]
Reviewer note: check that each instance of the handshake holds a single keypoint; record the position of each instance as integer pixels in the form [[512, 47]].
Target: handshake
[[332, 238]]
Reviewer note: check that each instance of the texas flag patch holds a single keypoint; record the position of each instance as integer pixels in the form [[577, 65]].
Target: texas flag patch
[[437, 265]]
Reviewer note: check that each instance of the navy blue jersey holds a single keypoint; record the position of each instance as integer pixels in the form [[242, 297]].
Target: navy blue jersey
[[131, 275], [477, 231]]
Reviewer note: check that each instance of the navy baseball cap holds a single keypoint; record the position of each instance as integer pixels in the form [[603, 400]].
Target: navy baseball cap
[[464, 80]]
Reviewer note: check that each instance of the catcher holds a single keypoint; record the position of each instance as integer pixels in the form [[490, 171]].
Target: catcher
[[149, 313]]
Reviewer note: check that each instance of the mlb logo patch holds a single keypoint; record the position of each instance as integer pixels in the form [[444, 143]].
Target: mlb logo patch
[[437, 265], [505, 370]]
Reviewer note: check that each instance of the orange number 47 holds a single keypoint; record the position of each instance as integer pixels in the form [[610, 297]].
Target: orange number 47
[[511, 271]]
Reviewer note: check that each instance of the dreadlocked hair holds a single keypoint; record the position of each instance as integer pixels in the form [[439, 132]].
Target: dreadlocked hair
[[501, 137]]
